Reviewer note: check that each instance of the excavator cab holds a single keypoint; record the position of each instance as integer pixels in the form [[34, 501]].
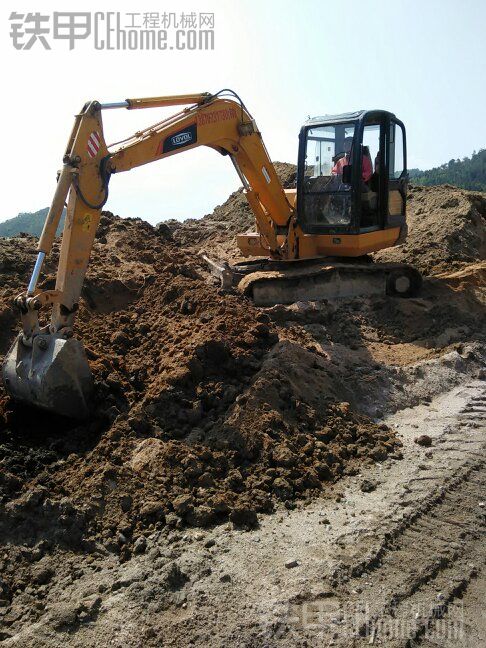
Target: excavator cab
[[352, 174]]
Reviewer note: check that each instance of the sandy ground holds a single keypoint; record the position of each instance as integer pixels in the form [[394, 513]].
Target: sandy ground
[[390, 556]]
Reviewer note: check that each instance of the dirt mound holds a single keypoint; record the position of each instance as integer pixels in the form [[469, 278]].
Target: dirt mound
[[446, 227], [215, 233], [201, 413], [207, 408]]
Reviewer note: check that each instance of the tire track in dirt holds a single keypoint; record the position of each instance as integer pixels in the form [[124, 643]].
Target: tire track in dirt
[[412, 589], [417, 575], [430, 564], [469, 610]]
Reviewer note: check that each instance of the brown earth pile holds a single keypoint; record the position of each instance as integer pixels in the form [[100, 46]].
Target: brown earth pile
[[447, 227], [215, 233], [200, 411], [206, 408]]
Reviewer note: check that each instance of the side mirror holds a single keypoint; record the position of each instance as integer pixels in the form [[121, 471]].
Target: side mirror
[[347, 173]]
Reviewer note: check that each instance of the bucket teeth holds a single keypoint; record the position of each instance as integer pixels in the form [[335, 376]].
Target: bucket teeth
[[52, 374]]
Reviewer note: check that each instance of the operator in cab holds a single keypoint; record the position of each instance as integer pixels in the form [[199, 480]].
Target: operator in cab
[[367, 166]]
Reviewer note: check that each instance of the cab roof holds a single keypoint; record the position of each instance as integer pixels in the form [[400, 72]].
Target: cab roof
[[343, 117]]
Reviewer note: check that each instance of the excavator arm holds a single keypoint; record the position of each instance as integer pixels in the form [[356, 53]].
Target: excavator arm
[[47, 366]]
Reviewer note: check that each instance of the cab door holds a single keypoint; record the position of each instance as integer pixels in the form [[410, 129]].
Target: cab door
[[397, 174], [372, 181]]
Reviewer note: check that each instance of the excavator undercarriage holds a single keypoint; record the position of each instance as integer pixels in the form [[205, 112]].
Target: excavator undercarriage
[[269, 282]]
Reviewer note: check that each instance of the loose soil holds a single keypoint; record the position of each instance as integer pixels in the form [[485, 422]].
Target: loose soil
[[212, 416]]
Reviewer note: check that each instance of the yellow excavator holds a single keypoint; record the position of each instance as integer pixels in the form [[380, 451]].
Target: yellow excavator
[[350, 201]]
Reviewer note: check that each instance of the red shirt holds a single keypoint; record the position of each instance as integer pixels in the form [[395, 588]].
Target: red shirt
[[367, 167]]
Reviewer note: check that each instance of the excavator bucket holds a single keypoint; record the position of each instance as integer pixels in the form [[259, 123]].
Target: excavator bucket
[[53, 373]]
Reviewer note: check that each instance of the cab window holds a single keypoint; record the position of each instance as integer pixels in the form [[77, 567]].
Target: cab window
[[327, 199], [397, 152]]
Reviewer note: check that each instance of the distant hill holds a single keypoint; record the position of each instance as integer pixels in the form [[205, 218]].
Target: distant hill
[[469, 173], [29, 222]]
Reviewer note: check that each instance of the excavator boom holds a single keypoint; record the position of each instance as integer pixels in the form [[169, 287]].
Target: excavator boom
[[46, 365]]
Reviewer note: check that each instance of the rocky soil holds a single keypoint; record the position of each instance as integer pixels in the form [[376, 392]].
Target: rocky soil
[[216, 424]]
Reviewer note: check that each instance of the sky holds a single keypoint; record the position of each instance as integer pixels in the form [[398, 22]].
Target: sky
[[423, 60]]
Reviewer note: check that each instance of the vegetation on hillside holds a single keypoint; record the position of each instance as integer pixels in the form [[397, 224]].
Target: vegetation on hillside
[[28, 223], [469, 173]]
